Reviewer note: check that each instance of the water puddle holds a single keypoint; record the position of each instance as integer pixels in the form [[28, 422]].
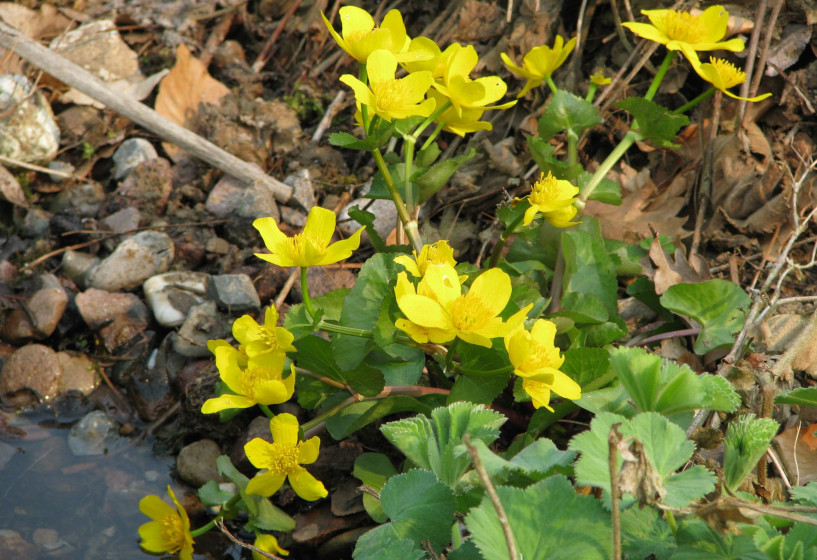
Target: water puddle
[[64, 505]]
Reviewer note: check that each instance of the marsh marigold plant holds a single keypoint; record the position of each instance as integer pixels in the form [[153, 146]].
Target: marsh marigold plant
[[540, 62], [169, 530]]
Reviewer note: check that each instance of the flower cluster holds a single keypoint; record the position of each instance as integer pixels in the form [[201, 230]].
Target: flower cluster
[[438, 83], [169, 530], [690, 34]]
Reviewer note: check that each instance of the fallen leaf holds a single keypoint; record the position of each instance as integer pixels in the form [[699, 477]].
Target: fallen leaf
[[669, 272], [798, 446], [643, 205], [186, 85], [10, 189], [31, 23]]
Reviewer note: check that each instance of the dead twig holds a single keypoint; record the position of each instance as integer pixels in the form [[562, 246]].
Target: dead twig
[[613, 439], [751, 54], [331, 111], [489, 488], [761, 65], [79, 78], [221, 527], [269, 47]]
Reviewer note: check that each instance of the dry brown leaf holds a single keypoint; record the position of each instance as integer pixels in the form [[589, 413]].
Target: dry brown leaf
[[669, 273], [798, 446], [31, 23], [10, 189], [187, 84], [643, 206]]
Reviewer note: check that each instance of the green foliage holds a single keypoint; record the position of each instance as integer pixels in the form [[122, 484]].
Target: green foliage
[[421, 509], [351, 418], [665, 448], [719, 306], [668, 388], [567, 112], [747, 440], [645, 534], [366, 218], [804, 396], [435, 443], [698, 541], [548, 520], [373, 469], [655, 123]]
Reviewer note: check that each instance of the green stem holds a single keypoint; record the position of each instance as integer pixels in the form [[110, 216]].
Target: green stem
[[591, 92], [402, 211], [449, 357], [305, 293], [212, 523], [364, 109], [409, 141], [659, 76], [618, 152], [321, 378], [265, 409], [551, 84], [572, 148], [684, 108], [362, 333], [671, 522], [432, 137], [503, 239]]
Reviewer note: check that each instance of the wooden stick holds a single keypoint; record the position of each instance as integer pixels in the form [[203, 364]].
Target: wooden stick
[[79, 78]]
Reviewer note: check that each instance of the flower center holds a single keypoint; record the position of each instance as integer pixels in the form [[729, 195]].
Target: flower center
[[172, 532], [299, 243], [284, 459], [389, 94], [468, 311], [682, 26], [545, 190], [729, 74]]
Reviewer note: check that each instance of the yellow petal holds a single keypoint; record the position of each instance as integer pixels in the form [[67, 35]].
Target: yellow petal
[[647, 31], [227, 402], [409, 264], [493, 288], [381, 66], [307, 486], [153, 539], [714, 20], [284, 429], [341, 250], [355, 22], [155, 507], [362, 93], [440, 282], [539, 393], [274, 239], [308, 450], [320, 225], [265, 484], [259, 453], [424, 311]]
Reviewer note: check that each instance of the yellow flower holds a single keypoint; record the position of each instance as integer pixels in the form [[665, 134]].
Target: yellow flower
[[425, 57], [282, 459], [438, 311], [540, 62], [723, 75], [267, 543], [536, 359], [462, 123], [261, 382], [310, 247], [169, 532], [436, 253], [359, 37], [464, 93], [388, 97], [257, 340], [598, 78], [682, 31], [553, 198]]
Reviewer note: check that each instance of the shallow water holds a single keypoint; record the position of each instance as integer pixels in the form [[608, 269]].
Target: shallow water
[[75, 507]]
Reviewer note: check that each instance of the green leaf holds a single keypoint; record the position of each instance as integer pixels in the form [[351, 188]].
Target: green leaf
[[380, 137], [588, 268], [548, 519], [427, 156], [382, 542], [366, 218], [298, 321], [263, 515], [698, 541], [645, 534], [401, 365], [355, 416], [315, 354], [543, 154], [654, 122], [535, 462], [567, 112], [420, 507], [584, 365], [480, 389], [610, 399], [431, 442], [373, 469], [668, 388], [747, 439], [803, 396], [607, 191], [211, 494], [430, 180], [665, 446], [718, 305], [361, 309]]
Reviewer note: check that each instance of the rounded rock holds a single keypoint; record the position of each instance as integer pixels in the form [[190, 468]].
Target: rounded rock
[[196, 462], [133, 261], [31, 373]]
